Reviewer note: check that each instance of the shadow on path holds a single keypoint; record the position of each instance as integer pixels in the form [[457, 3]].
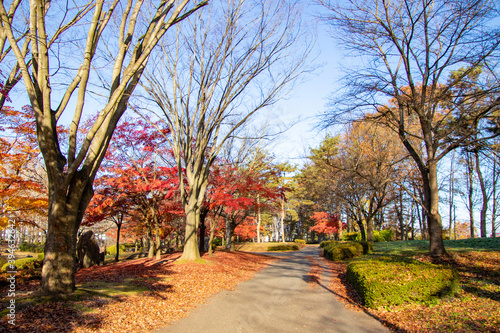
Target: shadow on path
[[278, 299]]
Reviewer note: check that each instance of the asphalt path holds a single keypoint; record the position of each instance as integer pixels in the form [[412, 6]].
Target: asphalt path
[[278, 299]]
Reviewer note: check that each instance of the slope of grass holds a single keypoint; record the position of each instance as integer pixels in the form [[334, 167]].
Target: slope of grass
[[422, 246]]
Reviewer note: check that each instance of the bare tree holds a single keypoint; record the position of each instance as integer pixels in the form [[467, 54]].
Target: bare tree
[[410, 48], [71, 175], [236, 59]]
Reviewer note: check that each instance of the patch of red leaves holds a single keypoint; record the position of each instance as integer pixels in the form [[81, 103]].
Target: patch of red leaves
[[174, 289]]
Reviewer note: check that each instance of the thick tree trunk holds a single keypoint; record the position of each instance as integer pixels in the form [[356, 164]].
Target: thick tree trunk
[[369, 229], [191, 251], [64, 218], [361, 229], [431, 193]]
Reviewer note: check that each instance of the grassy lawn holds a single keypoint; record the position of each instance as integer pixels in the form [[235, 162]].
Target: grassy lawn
[[476, 307]]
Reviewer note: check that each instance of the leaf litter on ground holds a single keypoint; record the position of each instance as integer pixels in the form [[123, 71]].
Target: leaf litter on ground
[[157, 292]]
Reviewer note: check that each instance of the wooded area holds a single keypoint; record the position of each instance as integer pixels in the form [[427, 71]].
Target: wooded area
[[156, 153]]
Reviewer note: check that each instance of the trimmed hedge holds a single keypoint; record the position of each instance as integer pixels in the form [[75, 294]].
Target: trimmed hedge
[[23, 263], [385, 235], [299, 241], [284, 247], [388, 281], [324, 244], [336, 251], [350, 236]]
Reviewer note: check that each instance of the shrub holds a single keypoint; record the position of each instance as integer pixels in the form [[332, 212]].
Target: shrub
[[299, 241], [324, 244], [388, 234], [340, 251], [351, 236], [2, 262], [284, 247], [377, 237], [112, 249], [367, 247], [390, 281], [24, 263], [32, 247], [41, 256], [217, 241]]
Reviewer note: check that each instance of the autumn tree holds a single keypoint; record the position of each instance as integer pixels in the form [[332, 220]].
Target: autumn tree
[[327, 224], [236, 59], [23, 193], [138, 181], [70, 175], [410, 48]]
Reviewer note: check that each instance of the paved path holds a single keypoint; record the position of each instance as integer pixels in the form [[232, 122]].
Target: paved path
[[278, 299]]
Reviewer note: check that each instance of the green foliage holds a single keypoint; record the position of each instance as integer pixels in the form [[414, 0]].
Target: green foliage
[[24, 263], [378, 236], [336, 251], [387, 281], [41, 256], [32, 247], [299, 241], [351, 236], [112, 249], [324, 244], [3, 261], [367, 247], [284, 247], [217, 241], [387, 234]]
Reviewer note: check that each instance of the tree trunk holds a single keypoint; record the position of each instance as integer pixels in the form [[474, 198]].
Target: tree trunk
[[431, 194], [191, 251], [484, 206], [228, 233], [211, 239], [361, 229], [470, 194], [283, 220], [259, 219], [158, 242], [203, 229], [64, 218], [494, 203], [369, 230], [151, 243], [118, 227]]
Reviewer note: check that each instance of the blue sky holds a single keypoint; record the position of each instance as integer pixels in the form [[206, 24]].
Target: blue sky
[[309, 98]]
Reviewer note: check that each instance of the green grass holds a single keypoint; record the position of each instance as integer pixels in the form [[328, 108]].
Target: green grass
[[422, 246]]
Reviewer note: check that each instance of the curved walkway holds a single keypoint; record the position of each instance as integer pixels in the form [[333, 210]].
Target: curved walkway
[[278, 299]]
